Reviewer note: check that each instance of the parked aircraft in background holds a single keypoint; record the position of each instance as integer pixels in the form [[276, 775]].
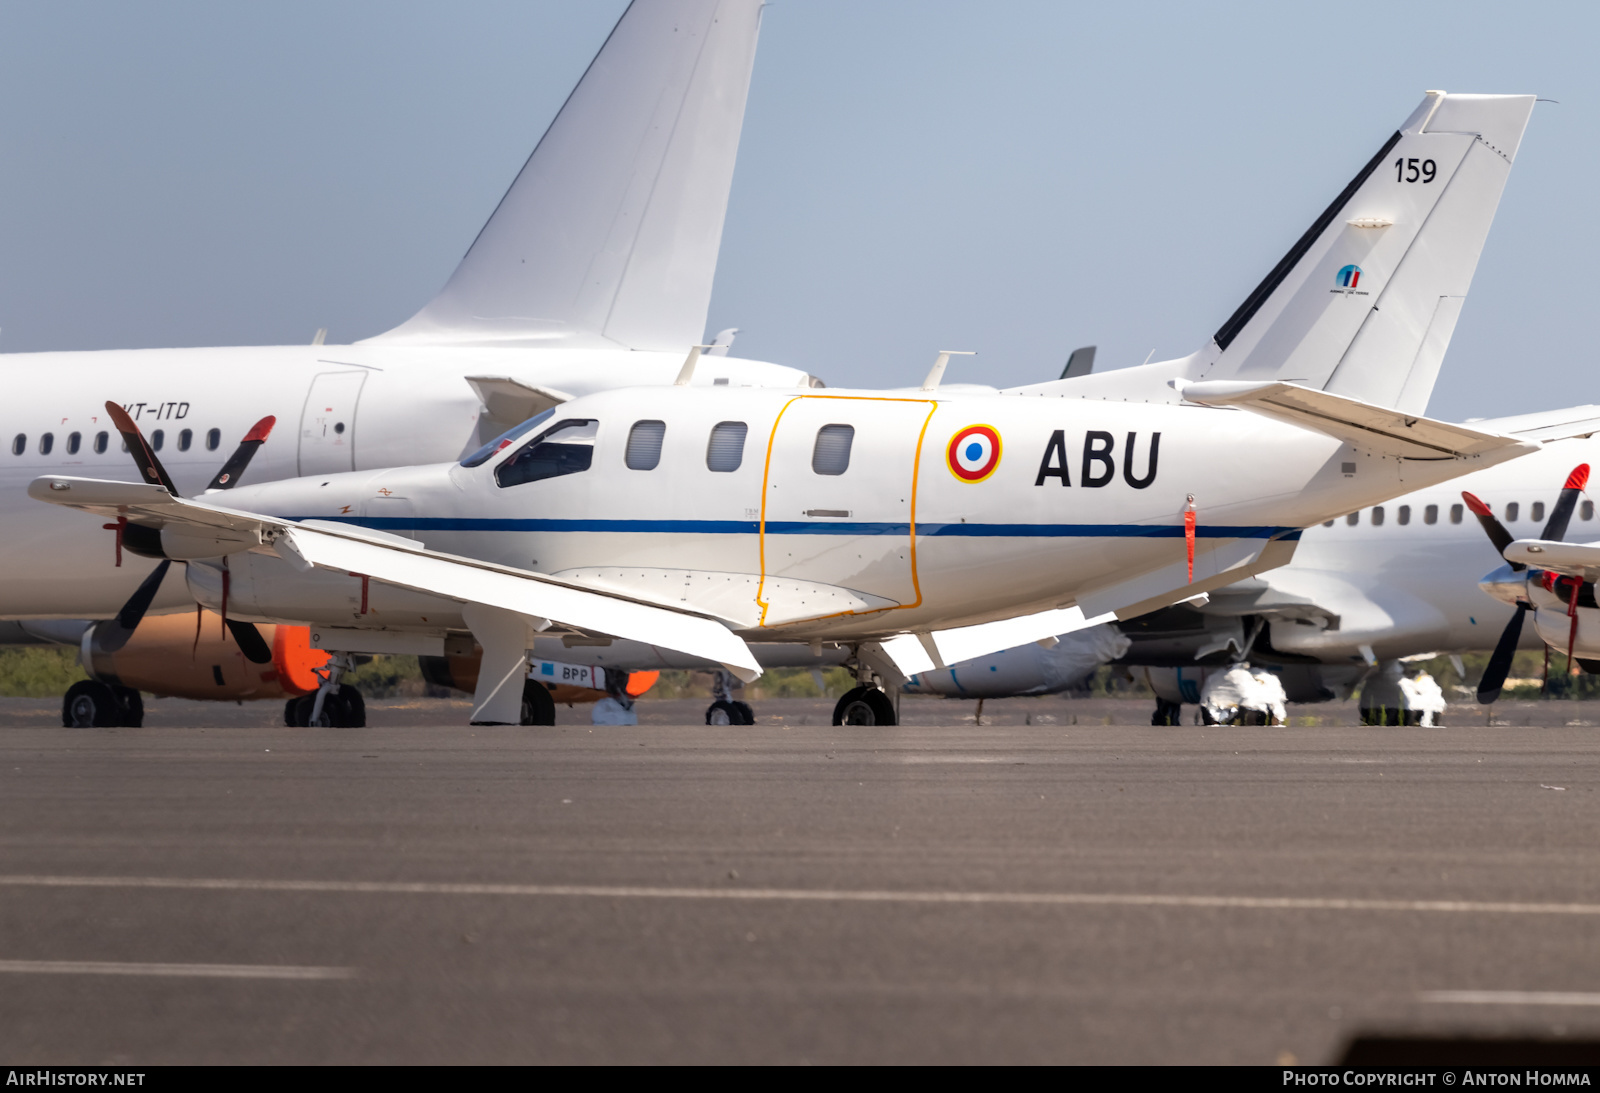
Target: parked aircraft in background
[[893, 523], [595, 271]]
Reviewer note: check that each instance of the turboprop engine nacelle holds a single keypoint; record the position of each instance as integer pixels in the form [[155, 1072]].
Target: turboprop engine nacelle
[[168, 655]]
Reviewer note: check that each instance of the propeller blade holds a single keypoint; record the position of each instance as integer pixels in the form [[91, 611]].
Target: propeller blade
[[233, 469], [115, 632], [1555, 528], [1498, 535], [150, 467], [1494, 676], [251, 643]]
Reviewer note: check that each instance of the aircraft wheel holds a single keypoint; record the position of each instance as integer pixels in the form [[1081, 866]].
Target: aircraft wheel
[[291, 714], [132, 704], [1167, 713], [538, 708], [90, 705], [723, 712], [864, 706]]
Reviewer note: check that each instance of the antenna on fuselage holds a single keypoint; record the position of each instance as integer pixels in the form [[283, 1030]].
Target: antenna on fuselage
[[936, 373], [686, 373]]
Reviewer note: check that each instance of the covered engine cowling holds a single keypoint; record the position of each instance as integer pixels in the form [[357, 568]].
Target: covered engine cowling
[[195, 656]]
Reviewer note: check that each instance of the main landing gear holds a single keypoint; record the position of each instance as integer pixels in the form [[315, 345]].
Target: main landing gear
[[1167, 713], [724, 708], [90, 704], [333, 705], [865, 703]]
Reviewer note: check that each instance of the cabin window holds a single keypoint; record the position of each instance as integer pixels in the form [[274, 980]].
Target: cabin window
[[19, 445], [46, 442], [1511, 512], [157, 438], [1327, 523], [505, 439], [1402, 515], [185, 438], [1430, 515], [213, 439], [74, 442], [1353, 519], [831, 454], [1377, 516], [565, 448], [644, 445], [1536, 511], [1455, 514], [100, 440], [725, 450], [1586, 511]]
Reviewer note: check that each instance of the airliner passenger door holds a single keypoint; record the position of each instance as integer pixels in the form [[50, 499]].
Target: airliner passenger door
[[328, 423]]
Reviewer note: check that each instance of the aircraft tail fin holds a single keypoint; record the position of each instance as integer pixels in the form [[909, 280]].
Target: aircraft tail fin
[[1364, 303], [609, 235]]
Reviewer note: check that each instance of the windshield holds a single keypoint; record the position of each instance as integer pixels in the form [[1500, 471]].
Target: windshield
[[506, 439], [565, 448]]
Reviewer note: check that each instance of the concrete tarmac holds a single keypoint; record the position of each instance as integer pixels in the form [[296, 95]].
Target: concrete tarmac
[[223, 891]]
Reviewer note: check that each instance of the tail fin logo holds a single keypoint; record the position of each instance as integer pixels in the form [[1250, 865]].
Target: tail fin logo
[[1349, 277]]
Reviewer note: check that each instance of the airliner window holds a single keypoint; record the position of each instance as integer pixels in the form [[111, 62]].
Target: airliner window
[[506, 439], [73, 441], [19, 445], [1430, 515], [644, 445], [213, 439], [1455, 514], [1537, 511], [1586, 511], [1511, 513], [1377, 516], [46, 442], [185, 438], [566, 448], [831, 453], [1353, 519], [1402, 515], [725, 451], [157, 438]]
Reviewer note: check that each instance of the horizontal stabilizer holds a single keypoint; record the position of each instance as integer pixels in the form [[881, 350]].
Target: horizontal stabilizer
[[1374, 428], [609, 236], [1547, 425]]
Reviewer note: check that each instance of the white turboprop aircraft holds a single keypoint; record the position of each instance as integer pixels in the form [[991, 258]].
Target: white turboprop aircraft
[[915, 527], [595, 271]]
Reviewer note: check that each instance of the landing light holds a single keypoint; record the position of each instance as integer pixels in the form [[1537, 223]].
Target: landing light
[[1370, 222]]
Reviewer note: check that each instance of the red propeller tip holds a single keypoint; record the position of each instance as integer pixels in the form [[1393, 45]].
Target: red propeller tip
[[260, 429], [1478, 507], [1579, 478]]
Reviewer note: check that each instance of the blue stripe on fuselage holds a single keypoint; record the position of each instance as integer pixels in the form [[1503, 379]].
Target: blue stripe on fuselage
[[752, 527]]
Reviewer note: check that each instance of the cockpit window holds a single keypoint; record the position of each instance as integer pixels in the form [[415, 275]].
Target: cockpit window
[[565, 448], [504, 440]]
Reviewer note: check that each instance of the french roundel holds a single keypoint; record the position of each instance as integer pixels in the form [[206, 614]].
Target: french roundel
[[974, 453]]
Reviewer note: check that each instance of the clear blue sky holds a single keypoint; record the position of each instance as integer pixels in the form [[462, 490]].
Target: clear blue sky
[[1015, 178]]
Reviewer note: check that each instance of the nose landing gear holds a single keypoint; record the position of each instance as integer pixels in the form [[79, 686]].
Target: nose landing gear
[[724, 708]]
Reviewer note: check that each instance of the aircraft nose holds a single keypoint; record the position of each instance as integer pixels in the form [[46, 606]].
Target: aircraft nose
[[1506, 585]]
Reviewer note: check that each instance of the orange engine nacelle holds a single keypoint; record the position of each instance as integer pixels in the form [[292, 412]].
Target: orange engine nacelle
[[184, 657]]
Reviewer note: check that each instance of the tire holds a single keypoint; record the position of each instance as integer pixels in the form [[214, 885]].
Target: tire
[[343, 709], [864, 706], [723, 712], [1167, 713], [89, 704], [538, 708], [132, 704], [291, 716], [355, 708]]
